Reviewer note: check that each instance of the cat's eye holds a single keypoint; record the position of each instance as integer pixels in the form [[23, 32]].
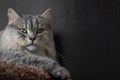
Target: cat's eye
[[23, 30], [40, 30]]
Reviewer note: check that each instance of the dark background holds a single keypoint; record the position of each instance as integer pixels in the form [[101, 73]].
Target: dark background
[[87, 33]]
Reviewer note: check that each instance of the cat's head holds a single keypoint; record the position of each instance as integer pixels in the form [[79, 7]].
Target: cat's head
[[32, 32]]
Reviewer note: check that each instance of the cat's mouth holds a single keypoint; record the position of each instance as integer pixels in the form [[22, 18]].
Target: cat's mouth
[[31, 47]]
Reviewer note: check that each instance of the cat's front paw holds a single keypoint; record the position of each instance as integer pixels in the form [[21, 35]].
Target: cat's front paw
[[61, 73]]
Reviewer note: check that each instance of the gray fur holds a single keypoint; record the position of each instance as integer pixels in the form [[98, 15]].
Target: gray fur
[[39, 44], [29, 47], [35, 61]]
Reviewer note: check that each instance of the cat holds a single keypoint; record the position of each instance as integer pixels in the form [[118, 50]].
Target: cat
[[28, 40], [29, 34]]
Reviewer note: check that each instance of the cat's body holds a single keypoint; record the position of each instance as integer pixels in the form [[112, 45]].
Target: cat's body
[[29, 40]]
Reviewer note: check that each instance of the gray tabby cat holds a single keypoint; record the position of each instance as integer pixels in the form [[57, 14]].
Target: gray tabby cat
[[29, 34], [29, 40]]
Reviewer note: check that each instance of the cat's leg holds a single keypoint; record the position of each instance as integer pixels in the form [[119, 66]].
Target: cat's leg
[[53, 68], [48, 64], [44, 62]]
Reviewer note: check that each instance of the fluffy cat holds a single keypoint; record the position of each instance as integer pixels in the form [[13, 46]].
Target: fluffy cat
[[29, 34], [28, 40]]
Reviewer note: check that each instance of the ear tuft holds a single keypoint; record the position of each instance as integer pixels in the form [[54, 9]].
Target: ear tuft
[[12, 15], [47, 14]]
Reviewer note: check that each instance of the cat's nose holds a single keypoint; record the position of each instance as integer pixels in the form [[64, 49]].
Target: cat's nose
[[32, 39]]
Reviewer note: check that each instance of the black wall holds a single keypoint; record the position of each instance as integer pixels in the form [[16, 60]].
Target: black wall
[[87, 33]]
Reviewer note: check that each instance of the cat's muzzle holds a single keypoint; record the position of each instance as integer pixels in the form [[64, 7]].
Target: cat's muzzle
[[31, 48]]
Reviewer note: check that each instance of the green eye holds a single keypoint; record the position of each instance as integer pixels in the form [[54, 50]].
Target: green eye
[[23, 30], [40, 30]]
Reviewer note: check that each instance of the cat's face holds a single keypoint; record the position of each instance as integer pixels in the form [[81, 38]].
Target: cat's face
[[31, 32]]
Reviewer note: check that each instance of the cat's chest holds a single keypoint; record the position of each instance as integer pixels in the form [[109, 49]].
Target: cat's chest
[[39, 51]]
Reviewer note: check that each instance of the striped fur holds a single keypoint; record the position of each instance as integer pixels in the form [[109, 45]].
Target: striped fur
[[17, 47]]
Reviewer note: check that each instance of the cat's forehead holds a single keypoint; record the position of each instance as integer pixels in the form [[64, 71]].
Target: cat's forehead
[[31, 21], [33, 18]]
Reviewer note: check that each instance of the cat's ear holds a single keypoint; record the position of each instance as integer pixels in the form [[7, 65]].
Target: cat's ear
[[12, 15], [47, 14]]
